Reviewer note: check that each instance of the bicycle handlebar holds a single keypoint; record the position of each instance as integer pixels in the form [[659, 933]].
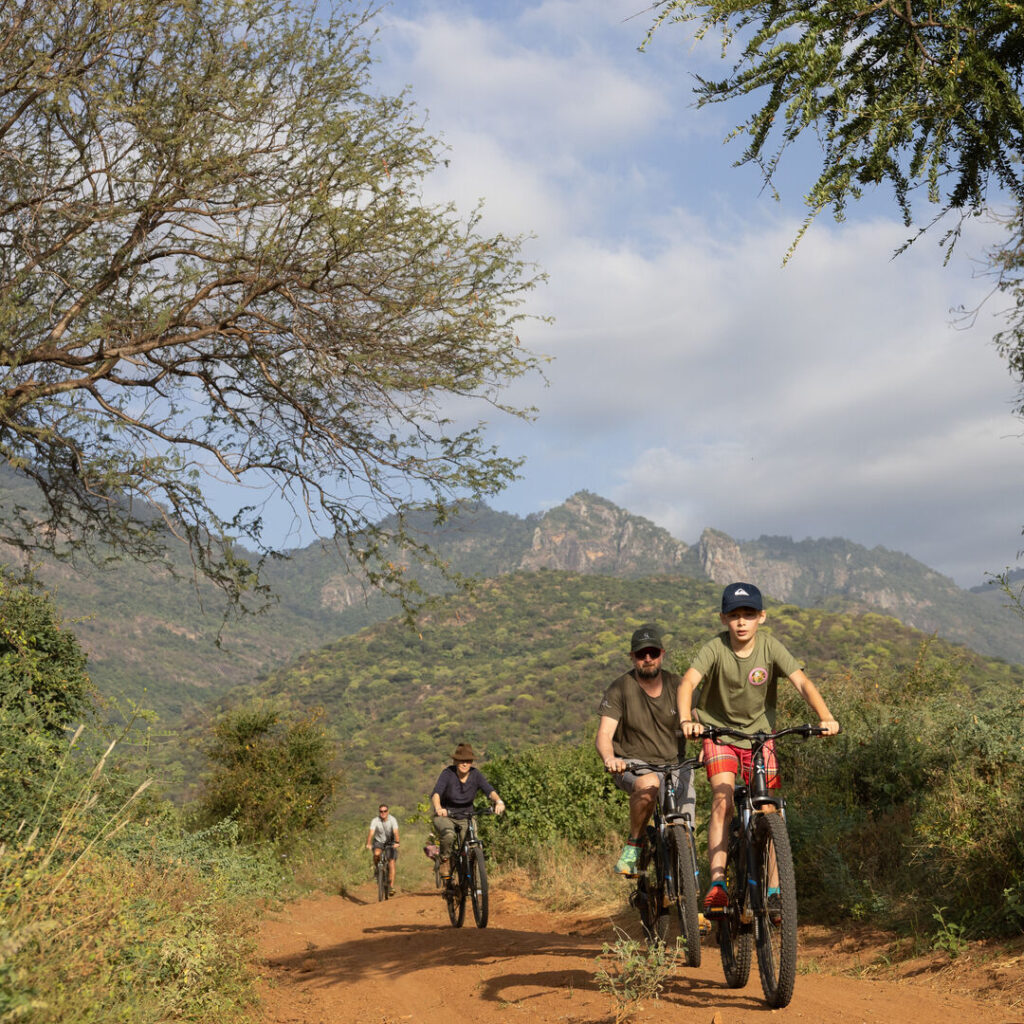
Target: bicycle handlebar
[[714, 732], [654, 766]]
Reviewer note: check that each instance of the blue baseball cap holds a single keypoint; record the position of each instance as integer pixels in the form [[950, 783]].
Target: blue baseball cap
[[741, 595]]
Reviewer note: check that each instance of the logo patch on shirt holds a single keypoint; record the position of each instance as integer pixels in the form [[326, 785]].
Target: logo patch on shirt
[[758, 676]]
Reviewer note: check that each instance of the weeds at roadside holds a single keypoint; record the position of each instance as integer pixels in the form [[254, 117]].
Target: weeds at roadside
[[950, 935], [633, 970]]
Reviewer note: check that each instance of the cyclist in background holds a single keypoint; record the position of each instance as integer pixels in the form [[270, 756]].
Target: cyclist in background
[[384, 829], [639, 722], [452, 800]]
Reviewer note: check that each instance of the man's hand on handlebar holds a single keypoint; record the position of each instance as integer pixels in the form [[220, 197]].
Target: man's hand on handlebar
[[829, 727], [615, 765], [692, 729]]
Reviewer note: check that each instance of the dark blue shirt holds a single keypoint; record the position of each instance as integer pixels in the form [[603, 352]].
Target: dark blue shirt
[[457, 797]]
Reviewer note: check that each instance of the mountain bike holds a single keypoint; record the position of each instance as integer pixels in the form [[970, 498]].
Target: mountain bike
[[468, 876], [383, 879], [759, 877], [668, 876]]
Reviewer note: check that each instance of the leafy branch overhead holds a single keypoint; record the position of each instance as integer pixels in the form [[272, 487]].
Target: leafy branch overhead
[[216, 263], [906, 93]]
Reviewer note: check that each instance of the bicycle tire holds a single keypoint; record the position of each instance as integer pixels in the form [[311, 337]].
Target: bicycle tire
[[735, 941], [776, 925], [478, 886], [650, 886], [455, 896], [683, 857], [382, 877]]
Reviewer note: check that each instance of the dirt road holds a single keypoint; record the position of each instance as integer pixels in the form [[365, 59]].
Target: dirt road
[[335, 960]]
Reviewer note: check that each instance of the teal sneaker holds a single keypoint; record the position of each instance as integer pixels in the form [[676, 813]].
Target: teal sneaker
[[626, 864]]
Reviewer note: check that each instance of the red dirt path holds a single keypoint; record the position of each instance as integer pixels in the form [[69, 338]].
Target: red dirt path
[[337, 960]]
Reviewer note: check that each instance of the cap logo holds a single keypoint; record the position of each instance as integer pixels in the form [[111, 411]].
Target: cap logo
[[740, 592]]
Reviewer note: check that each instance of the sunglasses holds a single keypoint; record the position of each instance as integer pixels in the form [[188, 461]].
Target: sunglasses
[[648, 652]]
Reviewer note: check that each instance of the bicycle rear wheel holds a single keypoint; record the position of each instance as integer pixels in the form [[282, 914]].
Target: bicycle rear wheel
[[478, 886], [650, 885], [735, 941], [455, 895], [683, 858], [775, 928]]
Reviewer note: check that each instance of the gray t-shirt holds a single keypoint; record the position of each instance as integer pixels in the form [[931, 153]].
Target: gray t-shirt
[[648, 727], [383, 830]]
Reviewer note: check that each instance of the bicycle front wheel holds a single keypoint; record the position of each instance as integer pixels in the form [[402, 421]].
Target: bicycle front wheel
[[382, 878], [650, 886], [478, 886], [455, 895], [735, 941], [775, 927], [683, 858]]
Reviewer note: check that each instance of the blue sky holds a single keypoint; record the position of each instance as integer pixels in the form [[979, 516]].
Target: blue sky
[[695, 380]]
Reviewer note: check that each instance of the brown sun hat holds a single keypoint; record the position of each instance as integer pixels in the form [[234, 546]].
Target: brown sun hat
[[463, 752]]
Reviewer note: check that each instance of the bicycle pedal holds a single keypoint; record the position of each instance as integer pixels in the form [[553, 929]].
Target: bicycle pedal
[[703, 924]]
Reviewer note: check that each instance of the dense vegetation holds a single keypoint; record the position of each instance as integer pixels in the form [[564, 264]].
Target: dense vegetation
[[110, 907], [525, 658]]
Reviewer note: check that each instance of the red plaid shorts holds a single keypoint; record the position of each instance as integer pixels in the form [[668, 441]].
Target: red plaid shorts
[[724, 757]]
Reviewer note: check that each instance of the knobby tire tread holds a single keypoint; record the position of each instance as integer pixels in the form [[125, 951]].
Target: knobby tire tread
[[478, 886], [735, 939], [776, 943], [684, 860]]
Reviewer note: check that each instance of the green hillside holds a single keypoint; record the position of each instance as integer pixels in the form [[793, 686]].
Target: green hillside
[[525, 658]]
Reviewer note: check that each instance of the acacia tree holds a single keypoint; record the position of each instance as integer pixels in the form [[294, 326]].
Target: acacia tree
[[215, 260], [922, 96]]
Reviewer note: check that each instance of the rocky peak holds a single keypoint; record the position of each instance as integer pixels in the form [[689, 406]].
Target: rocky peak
[[589, 534]]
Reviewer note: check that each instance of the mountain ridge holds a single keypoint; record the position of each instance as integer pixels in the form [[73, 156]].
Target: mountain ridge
[[148, 640]]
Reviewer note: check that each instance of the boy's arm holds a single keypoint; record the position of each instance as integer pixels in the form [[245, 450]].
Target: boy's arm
[[810, 693], [684, 703]]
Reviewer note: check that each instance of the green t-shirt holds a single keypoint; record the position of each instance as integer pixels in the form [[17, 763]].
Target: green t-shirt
[[741, 692], [648, 728]]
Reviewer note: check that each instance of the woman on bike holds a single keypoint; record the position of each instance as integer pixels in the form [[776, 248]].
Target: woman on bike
[[738, 672], [452, 799]]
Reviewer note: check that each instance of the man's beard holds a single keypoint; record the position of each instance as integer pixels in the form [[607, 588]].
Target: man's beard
[[648, 671]]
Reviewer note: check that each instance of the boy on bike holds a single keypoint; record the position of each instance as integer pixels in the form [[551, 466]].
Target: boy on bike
[[738, 673]]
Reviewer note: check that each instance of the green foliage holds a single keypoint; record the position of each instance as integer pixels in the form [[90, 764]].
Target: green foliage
[[271, 773], [543, 646], [910, 94], [43, 689], [552, 792], [255, 284], [42, 667]]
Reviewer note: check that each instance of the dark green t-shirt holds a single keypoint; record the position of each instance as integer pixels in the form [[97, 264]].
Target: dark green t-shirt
[[648, 728], [741, 692]]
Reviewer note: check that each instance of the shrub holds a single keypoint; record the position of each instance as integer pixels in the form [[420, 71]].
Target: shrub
[[271, 773], [554, 791]]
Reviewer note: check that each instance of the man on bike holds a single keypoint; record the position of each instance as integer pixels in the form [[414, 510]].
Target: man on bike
[[639, 722], [384, 830], [738, 673], [452, 800]]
